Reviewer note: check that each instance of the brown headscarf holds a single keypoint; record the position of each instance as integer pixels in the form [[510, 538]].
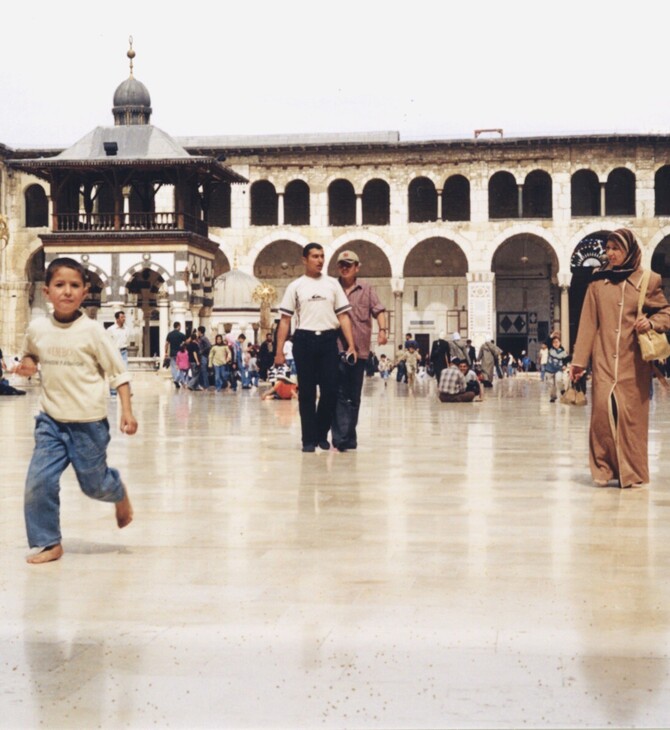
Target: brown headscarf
[[626, 239]]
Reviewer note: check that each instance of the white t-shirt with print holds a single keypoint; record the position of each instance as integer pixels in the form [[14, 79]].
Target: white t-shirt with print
[[315, 302]]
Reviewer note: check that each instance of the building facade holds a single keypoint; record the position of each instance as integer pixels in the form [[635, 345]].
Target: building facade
[[490, 237]]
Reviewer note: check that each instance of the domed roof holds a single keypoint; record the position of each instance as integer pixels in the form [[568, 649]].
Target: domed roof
[[234, 290], [132, 93], [132, 103]]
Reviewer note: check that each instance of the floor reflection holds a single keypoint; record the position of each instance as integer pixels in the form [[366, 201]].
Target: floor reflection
[[457, 570]]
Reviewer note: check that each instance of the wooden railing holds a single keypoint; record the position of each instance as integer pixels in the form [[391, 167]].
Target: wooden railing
[[109, 222]]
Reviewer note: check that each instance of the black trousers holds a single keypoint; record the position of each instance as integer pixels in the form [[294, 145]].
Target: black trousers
[[349, 387], [316, 360]]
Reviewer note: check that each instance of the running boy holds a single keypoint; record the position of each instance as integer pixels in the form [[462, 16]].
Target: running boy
[[74, 353]]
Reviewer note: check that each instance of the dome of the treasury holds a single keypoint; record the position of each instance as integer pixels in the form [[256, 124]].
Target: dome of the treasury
[[132, 103], [234, 290], [132, 93]]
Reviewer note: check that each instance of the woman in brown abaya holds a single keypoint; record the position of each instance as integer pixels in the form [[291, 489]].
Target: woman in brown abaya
[[621, 378]]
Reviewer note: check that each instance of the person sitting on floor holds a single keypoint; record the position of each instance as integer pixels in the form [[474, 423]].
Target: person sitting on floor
[[453, 387], [472, 383], [284, 388]]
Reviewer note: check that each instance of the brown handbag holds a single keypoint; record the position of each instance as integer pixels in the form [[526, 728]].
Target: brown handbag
[[653, 345], [569, 398]]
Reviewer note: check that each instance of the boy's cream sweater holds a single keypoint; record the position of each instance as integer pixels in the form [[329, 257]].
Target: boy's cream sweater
[[74, 358]]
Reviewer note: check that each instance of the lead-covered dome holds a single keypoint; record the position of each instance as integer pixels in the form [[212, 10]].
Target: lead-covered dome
[[234, 290], [132, 102]]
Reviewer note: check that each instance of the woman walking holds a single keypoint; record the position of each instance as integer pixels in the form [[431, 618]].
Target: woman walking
[[607, 336]]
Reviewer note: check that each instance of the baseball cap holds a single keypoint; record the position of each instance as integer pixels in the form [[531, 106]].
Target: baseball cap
[[349, 256]]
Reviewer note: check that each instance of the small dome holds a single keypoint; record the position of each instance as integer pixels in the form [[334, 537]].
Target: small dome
[[234, 290], [132, 93], [132, 103]]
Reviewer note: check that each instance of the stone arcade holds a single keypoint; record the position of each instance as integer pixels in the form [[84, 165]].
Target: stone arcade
[[488, 236]]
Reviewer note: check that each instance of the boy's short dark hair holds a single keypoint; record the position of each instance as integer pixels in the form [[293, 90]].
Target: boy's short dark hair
[[202, 330], [118, 314], [175, 325], [309, 247], [65, 263]]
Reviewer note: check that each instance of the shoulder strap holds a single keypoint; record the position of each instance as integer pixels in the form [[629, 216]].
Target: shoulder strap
[[644, 283]]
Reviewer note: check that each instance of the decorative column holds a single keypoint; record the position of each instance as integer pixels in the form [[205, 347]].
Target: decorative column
[[439, 204], [280, 209], [178, 312], [564, 283], [519, 201], [603, 199], [163, 323], [359, 209], [126, 205], [397, 286], [481, 306]]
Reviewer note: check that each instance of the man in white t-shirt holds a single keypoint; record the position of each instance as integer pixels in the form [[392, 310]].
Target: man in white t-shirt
[[119, 334], [320, 308]]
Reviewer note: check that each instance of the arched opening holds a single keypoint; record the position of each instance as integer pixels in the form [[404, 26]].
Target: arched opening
[[503, 196], [537, 195], [220, 206], [526, 296], [456, 199], [143, 296], [263, 204], [436, 290], [660, 263], [95, 298], [296, 203], [221, 264], [374, 262], [589, 253], [37, 207], [585, 194], [376, 203], [278, 264], [341, 203], [422, 200], [662, 191], [620, 192], [35, 271]]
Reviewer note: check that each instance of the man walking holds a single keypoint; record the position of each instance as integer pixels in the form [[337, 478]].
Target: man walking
[[365, 303], [205, 346], [321, 309], [119, 334]]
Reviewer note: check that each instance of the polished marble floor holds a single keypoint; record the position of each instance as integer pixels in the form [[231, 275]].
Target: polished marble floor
[[459, 570]]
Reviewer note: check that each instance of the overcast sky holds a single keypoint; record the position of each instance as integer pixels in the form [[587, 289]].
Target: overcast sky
[[430, 70]]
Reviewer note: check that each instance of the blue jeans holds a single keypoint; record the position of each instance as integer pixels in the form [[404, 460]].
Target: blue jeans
[[221, 376], [204, 375], [174, 371], [84, 445]]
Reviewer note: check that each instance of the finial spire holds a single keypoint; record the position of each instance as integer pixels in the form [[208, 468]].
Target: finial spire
[[131, 55]]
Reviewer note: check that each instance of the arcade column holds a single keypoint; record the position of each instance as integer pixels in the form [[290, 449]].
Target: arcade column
[[397, 286], [481, 306]]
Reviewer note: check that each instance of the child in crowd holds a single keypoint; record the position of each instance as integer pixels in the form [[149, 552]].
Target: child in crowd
[[411, 358], [74, 354], [384, 368], [183, 363]]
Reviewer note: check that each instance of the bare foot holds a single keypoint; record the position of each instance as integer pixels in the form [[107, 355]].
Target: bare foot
[[54, 552], [124, 511]]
